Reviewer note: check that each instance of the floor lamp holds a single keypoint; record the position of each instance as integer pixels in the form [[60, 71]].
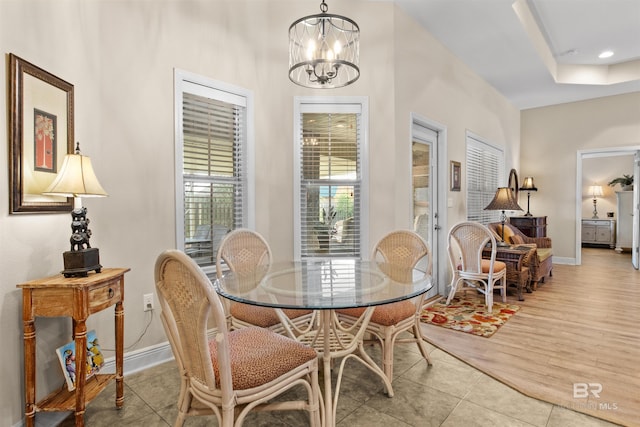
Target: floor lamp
[[528, 186], [503, 200]]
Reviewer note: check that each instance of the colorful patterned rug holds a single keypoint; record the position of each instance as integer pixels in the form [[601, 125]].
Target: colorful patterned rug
[[469, 314]]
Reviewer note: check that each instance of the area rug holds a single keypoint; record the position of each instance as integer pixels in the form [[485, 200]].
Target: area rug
[[469, 314]]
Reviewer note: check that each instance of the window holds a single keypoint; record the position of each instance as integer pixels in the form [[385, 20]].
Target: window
[[330, 177], [212, 158], [485, 170]]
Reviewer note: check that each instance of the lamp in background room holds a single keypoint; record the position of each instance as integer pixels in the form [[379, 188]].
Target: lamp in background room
[[504, 200], [528, 186], [595, 191], [324, 50], [76, 179]]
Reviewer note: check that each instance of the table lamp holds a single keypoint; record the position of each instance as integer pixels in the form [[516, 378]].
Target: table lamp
[[595, 191], [76, 179], [528, 186], [503, 201]]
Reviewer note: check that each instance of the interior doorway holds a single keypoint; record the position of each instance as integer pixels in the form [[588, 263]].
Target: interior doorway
[[633, 152]]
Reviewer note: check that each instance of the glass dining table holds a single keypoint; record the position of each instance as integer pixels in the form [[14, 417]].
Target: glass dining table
[[326, 285]]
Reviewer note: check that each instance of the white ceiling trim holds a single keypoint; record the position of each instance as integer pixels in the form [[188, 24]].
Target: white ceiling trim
[[602, 74]]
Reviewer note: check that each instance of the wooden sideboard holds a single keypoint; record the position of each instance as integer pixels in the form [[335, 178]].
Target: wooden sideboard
[[531, 226], [77, 298]]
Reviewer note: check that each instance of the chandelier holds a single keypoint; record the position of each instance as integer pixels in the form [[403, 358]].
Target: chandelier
[[324, 50]]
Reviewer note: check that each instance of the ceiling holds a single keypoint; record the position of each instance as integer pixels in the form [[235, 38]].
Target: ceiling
[[540, 52]]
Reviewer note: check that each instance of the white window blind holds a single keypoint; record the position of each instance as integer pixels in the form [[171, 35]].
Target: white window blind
[[485, 169], [214, 168], [330, 181]]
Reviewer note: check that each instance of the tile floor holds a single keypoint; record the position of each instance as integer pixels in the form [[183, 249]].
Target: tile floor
[[448, 393]]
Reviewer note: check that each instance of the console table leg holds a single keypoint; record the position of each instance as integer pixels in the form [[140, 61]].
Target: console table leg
[[29, 372], [80, 337], [119, 320]]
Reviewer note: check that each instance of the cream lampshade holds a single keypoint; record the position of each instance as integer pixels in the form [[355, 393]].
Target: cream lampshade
[[528, 186], [77, 179]]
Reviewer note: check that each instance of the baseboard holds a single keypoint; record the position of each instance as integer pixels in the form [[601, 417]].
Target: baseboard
[[564, 260], [139, 360]]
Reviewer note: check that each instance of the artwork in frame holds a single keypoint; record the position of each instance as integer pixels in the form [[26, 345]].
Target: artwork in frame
[[67, 357], [455, 175], [40, 135]]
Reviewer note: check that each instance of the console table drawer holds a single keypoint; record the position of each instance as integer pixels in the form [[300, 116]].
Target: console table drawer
[[104, 296]]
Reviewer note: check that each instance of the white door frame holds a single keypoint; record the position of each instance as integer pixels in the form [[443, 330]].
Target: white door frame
[[587, 154], [439, 188]]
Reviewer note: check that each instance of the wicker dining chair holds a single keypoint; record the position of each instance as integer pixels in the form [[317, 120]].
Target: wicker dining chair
[[467, 240], [397, 254], [234, 372], [247, 253]]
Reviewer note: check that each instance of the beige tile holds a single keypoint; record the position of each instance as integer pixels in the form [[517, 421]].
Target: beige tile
[[563, 417], [438, 354], [494, 395], [468, 414], [366, 416], [452, 378], [102, 410], [158, 390], [415, 404]]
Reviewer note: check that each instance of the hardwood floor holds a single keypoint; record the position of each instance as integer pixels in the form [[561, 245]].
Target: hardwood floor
[[580, 330]]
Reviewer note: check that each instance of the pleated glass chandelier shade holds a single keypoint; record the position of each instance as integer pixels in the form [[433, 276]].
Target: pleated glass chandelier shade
[[324, 50]]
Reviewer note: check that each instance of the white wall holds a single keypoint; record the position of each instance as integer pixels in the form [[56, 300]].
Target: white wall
[[120, 57], [551, 137]]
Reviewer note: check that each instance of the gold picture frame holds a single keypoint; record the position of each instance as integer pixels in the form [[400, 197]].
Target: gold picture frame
[[40, 135], [455, 175]]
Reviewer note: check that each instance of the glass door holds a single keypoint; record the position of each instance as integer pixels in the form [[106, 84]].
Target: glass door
[[423, 174]]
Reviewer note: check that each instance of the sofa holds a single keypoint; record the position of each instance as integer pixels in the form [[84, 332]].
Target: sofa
[[540, 266]]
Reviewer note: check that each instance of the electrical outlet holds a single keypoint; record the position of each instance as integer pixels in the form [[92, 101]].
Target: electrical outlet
[[148, 302]]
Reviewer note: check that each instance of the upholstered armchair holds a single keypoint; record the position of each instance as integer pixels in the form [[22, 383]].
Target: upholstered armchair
[[541, 265]]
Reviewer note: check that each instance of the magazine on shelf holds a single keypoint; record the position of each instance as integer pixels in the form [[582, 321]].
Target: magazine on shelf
[[67, 356]]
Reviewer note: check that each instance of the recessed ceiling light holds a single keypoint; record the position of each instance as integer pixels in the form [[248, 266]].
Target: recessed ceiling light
[[606, 54]]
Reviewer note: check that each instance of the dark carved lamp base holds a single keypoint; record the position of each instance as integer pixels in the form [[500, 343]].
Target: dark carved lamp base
[[80, 263]]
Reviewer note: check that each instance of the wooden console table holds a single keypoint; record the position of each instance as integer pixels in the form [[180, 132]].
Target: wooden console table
[[531, 226], [78, 298]]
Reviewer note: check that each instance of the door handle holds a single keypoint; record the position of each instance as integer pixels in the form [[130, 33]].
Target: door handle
[[437, 227]]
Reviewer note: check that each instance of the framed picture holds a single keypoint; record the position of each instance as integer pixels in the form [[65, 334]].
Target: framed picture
[[40, 135], [455, 176]]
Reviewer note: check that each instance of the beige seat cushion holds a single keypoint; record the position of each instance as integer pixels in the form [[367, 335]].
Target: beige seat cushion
[[264, 317], [544, 253], [387, 314], [271, 356]]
